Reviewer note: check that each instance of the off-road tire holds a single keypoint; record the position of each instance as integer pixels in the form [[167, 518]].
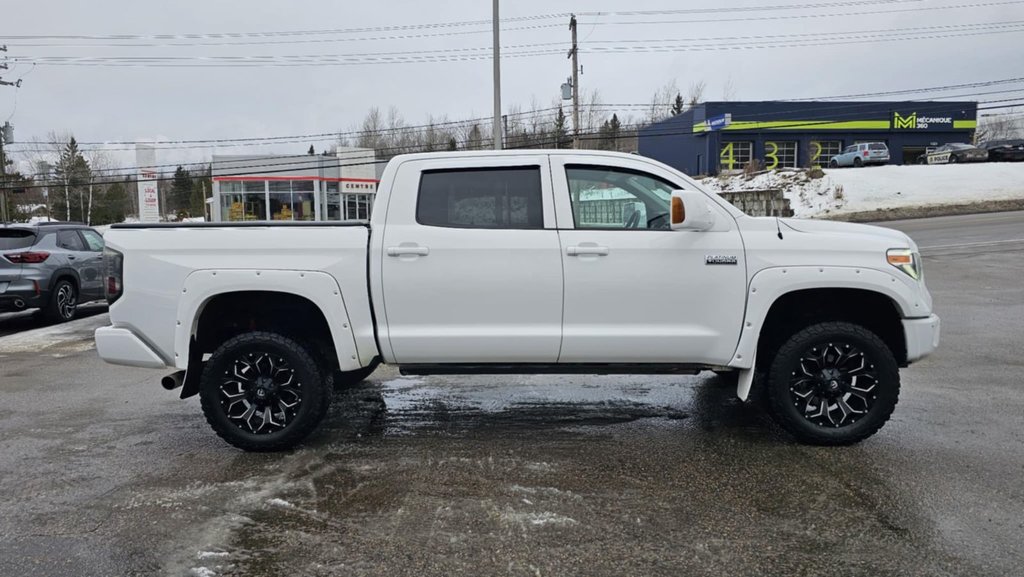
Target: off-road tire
[[57, 311], [780, 402], [315, 400]]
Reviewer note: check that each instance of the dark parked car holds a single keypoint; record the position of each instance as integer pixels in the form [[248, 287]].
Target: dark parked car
[[954, 152], [1005, 150], [50, 266]]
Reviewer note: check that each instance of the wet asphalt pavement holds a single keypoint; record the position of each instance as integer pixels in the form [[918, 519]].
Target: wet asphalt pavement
[[104, 473]]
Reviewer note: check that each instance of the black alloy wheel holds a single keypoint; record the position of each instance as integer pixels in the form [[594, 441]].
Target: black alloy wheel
[[833, 383], [263, 391]]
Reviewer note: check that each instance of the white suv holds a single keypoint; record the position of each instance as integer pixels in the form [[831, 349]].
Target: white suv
[[861, 154]]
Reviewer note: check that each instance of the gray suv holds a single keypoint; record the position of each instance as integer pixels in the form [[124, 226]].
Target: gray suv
[[50, 266]]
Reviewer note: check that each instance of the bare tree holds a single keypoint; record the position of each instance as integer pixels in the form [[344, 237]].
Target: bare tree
[[1000, 126], [661, 102], [695, 95], [729, 90]]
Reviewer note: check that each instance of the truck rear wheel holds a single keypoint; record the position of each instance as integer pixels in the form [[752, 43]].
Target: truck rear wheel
[[261, 391], [833, 383]]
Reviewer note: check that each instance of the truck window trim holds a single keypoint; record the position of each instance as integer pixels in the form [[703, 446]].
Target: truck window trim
[[535, 167]]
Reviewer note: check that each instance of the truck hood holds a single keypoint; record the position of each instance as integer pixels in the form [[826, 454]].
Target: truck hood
[[897, 238]]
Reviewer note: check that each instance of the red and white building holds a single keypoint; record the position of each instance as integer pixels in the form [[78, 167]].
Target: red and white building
[[341, 186]]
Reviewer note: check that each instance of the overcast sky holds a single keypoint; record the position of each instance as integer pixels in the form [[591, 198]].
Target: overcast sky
[[128, 103]]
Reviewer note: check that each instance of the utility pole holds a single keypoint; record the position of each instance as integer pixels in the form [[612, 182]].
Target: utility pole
[[496, 125], [4, 130], [573, 54]]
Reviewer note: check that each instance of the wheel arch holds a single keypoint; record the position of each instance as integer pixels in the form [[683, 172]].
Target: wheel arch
[[67, 273], [786, 297], [306, 305]]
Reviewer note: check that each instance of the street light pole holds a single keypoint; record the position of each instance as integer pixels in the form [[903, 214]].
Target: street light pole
[[496, 127]]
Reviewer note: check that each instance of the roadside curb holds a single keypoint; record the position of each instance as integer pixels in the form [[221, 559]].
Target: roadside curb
[[928, 211]]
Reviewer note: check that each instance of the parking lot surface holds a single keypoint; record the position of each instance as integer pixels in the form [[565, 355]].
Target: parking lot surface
[[105, 473]]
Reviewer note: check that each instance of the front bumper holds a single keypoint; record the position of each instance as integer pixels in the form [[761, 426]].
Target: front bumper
[[121, 346], [922, 337]]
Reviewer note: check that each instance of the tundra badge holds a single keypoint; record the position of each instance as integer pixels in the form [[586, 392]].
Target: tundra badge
[[719, 259]]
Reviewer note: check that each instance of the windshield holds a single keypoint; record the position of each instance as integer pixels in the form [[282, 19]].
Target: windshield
[[14, 238]]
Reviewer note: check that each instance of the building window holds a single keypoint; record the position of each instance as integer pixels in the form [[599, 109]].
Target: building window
[[779, 155], [291, 200], [357, 206], [243, 200], [735, 155], [822, 151], [332, 202]]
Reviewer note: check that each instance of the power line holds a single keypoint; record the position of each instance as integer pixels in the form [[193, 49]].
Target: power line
[[266, 34], [809, 16], [479, 53], [274, 163]]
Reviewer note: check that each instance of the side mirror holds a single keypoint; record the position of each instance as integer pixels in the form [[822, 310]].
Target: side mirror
[[690, 211]]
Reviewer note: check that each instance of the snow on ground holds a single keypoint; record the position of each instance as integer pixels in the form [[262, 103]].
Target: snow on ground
[[845, 190]]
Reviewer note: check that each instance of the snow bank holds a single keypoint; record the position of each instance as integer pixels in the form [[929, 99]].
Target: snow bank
[[846, 190]]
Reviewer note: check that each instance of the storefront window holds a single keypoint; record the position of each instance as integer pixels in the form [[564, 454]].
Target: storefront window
[[357, 206], [243, 200], [331, 209], [291, 200]]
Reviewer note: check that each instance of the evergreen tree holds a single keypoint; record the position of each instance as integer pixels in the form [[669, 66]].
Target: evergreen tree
[[179, 199], [677, 106], [311, 152], [72, 175], [561, 131], [453, 144]]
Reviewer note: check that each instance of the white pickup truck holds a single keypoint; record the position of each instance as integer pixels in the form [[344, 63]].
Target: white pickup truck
[[522, 262]]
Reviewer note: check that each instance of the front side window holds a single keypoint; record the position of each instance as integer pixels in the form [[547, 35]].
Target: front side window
[[481, 198], [617, 198]]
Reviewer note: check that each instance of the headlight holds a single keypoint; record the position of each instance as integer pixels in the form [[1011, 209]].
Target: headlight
[[906, 260]]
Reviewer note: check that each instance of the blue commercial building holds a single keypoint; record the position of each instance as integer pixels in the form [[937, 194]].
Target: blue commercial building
[[722, 136]]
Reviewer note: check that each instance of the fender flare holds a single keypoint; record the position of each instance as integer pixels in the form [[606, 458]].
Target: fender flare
[[770, 284], [318, 287]]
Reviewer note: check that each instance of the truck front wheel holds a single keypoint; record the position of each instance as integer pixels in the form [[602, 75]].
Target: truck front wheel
[[262, 391], [833, 383]]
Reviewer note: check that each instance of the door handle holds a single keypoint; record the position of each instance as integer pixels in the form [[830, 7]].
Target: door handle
[[72, 257], [587, 250], [408, 251]]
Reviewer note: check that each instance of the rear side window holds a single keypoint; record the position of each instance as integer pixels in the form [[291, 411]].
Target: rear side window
[[15, 238], [481, 198], [69, 240], [94, 240]]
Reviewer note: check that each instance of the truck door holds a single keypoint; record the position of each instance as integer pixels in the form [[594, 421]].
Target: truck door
[[470, 264], [635, 290]]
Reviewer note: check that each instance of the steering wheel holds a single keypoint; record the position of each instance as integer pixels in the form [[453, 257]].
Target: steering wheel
[[634, 219]]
